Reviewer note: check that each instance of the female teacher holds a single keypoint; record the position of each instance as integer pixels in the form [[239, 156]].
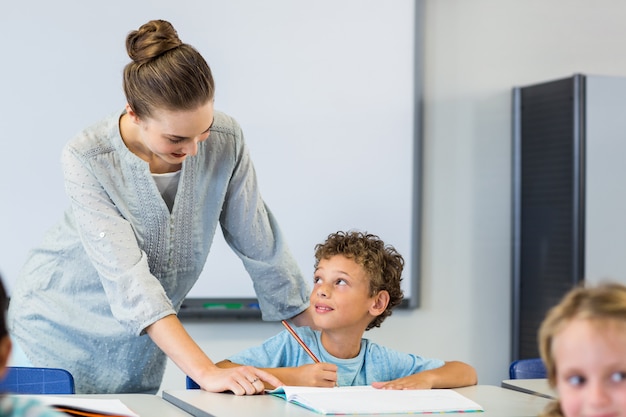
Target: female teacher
[[148, 186]]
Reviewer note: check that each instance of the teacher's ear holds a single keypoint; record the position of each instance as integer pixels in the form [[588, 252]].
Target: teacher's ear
[[131, 113]]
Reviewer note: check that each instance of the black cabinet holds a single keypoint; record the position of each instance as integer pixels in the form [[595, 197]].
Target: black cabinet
[[569, 145]]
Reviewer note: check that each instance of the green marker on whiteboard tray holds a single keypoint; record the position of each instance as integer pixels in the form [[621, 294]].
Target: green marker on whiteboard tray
[[223, 306]]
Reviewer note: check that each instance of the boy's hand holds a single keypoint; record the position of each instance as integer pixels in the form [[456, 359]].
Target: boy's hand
[[317, 375], [408, 382], [451, 375]]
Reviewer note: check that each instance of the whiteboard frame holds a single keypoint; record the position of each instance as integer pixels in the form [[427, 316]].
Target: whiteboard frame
[[246, 308]]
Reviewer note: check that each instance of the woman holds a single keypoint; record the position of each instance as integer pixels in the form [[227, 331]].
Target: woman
[[148, 186]]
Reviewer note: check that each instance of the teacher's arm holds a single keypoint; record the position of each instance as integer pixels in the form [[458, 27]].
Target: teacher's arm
[[171, 337], [304, 319]]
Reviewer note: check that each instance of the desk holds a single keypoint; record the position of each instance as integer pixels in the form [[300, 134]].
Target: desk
[[531, 386], [497, 402], [146, 405]]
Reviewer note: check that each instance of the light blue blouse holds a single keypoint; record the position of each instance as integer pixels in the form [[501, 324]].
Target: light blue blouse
[[119, 260], [374, 362]]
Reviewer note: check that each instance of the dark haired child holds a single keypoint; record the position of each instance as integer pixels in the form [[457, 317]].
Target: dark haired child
[[16, 405]]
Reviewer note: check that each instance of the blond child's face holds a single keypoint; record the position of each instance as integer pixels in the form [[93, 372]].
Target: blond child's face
[[590, 359], [340, 294]]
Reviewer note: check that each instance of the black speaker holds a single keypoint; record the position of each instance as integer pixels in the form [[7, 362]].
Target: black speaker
[[548, 202]]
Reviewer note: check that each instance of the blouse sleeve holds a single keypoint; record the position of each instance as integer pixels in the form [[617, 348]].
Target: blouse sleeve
[[253, 234], [136, 298]]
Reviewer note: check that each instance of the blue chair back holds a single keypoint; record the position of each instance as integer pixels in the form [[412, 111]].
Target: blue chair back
[[32, 380], [191, 384], [527, 369]]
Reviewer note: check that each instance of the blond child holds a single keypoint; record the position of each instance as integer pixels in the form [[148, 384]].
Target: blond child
[[582, 342], [356, 286]]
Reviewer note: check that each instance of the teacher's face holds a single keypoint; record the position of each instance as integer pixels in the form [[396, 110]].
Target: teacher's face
[[174, 135]]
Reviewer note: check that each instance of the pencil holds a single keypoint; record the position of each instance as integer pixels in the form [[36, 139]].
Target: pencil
[[300, 341]]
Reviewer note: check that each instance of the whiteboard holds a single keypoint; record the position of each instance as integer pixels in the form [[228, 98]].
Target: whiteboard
[[324, 92]]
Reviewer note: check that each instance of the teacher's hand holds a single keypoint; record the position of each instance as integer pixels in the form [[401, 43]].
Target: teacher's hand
[[241, 380]]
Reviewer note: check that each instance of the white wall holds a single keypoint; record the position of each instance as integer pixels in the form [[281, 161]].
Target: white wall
[[298, 79], [476, 51], [605, 198]]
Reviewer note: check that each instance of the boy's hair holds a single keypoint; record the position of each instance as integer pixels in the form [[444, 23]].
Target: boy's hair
[[382, 263], [602, 302]]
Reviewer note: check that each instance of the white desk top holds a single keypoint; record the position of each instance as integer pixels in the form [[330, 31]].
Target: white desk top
[[531, 386], [146, 405], [497, 402]]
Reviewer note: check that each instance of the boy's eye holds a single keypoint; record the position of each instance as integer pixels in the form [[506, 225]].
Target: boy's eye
[[575, 380], [618, 376], [341, 281]]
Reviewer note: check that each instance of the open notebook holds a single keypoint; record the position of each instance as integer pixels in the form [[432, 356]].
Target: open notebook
[[369, 400]]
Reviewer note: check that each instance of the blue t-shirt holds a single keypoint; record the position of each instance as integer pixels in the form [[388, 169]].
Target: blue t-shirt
[[374, 362]]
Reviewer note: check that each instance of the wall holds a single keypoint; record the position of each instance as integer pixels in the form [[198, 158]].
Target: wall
[[298, 79], [476, 51], [605, 200]]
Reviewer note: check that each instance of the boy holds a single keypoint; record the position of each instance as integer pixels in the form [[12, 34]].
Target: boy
[[356, 286]]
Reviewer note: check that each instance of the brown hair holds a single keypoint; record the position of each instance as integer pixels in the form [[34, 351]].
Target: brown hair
[[164, 73], [606, 301], [4, 304], [382, 263]]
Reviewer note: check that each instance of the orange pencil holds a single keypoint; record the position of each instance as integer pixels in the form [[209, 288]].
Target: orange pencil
[[300, 341]]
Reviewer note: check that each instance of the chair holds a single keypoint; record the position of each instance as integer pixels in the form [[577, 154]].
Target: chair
[[33, 380], [527, 369], [191, 384]]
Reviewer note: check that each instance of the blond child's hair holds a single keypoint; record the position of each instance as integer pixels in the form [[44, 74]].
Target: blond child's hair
[[601, 303]]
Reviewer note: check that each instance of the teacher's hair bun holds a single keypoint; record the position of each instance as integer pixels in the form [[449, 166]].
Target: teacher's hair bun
[[151, 40]]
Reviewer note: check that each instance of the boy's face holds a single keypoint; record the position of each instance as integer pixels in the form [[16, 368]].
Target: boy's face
[[340, 295], [590, 362]]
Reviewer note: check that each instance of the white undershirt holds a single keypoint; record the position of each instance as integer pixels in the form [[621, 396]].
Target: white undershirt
[[168, 185]]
